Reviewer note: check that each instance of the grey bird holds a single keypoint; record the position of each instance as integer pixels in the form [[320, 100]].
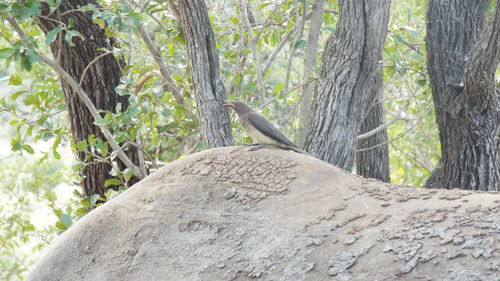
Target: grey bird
[[260, 129]]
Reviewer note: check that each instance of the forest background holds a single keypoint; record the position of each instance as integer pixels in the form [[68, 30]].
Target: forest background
[[265, 58]]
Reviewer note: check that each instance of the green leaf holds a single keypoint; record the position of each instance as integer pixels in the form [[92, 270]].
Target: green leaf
[[52, 35], [127, 174], [101, 122], [166, 112], [26, 9], [399, 38], [31, 100], [132, 132], [102, 147], [300, 44], [26, 62], [66, 220], [56, 143], [56, 154], [15, 80], [60, 225], [16, 94], [94, 198], [29, 131], [82, 145], [330, 29], [110, 182], [262, 6], [234, 20], [50, 196], [69, 36], [28, 148], [120, 136], [5, 52]]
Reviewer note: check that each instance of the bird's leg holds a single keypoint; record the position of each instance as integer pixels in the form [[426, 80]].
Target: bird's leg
[[251, 144], [259, 146]]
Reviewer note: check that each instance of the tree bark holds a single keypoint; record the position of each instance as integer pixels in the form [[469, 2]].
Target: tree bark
[[373, 162], [99, 83], [462, 60], [309, 63], [350, 60], [208, 88]]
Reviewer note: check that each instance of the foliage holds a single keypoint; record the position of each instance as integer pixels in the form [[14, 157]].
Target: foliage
[[415, 151], [28, 193], [261, 56]]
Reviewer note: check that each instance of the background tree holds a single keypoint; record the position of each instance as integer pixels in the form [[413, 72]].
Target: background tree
[[310, 61], [87, 56], [204, 60], [350, 62], [463, 56]]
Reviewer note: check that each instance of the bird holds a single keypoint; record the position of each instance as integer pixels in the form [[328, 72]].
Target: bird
[[261, 130]]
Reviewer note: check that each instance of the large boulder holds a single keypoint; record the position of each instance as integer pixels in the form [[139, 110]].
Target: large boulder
[[231, 214]]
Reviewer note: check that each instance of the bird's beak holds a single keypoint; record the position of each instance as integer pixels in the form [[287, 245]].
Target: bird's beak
[[228, 103]]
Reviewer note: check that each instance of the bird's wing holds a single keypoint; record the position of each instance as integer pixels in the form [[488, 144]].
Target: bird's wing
[[268, 129]]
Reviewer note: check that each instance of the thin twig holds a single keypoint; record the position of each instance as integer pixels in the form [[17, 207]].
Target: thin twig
[[398, 137], [90, 64], [148, 75], [378, 129], [273, 56], [161, 65], [301, 24], [411, 46]]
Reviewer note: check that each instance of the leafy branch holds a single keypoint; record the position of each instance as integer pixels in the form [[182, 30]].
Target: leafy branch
[[138, 172]]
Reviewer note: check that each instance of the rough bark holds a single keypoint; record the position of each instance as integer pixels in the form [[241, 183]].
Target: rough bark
[[462, 60], [208, 88], [373, 162], [231, 214], [309, 63], [99, 83], [350, 60]]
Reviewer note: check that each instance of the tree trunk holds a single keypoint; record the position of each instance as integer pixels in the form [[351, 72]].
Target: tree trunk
[[207, 84], [99, 83], [462, 60], [350, 60], [374, 161], [309, 63]]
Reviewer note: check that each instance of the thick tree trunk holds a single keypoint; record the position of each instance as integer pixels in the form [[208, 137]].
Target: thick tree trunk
[[374, 161], [99, 83], [460, 51], [350, 60], [207, 84], [309, 63]]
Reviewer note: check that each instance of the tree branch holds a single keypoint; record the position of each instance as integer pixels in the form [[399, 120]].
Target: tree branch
[[161, 65], [148, 75], [378, 129], [273, 56], [90, 64], [253, 47]]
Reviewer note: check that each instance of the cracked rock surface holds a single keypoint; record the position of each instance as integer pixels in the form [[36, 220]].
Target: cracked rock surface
[[231, 214]]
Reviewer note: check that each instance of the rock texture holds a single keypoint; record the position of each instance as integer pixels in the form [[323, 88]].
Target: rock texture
[[230, 214]]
